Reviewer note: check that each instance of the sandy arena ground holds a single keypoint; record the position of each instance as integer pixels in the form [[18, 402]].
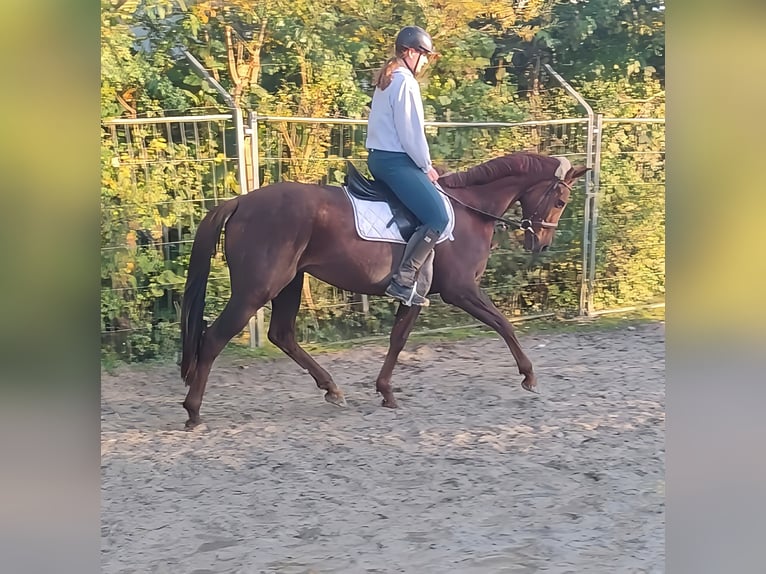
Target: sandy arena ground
[[470, 475]]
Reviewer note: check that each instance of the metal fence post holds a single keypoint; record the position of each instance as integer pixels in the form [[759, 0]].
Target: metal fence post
[[257, 326], [256, 323], [598, 136], [239, 127], [585, 295], [253, 132]]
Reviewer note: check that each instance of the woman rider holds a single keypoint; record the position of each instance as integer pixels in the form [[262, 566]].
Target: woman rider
[[399, 156]]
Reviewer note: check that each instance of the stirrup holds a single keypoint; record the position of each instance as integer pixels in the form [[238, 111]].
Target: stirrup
[[406, 295]]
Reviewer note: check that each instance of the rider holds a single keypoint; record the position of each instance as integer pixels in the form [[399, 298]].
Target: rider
[[399, 156]]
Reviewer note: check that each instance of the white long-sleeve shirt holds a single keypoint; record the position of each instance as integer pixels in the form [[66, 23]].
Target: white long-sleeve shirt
[[396, 121]]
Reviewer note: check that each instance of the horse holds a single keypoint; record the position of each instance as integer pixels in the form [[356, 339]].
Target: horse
[[278, 233]]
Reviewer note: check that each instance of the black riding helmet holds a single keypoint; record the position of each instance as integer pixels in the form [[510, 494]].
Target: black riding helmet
[[415, 37]]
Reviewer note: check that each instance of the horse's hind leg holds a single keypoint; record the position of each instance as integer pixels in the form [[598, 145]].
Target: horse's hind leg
[[476, 303], [403, 323], [231, 321], [284, 309]]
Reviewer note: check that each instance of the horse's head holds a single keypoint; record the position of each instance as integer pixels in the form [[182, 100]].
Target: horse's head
[[541, 183], [543, 203]]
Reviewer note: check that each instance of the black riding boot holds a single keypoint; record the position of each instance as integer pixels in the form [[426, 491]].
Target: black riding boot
[[404, 286], [425, 275]]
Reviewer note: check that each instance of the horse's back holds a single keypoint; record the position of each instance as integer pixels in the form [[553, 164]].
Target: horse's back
[[290, 200], [286, 210]]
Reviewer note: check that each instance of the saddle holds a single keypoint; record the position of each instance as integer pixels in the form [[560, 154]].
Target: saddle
[[371, 190]]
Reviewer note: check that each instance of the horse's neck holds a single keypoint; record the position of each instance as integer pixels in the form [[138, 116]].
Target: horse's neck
[[494, 197]]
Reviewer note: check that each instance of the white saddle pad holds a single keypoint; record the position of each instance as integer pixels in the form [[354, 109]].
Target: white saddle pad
[[372, 220]]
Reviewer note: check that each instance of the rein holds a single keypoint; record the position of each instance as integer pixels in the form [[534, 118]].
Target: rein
[[525, 223]]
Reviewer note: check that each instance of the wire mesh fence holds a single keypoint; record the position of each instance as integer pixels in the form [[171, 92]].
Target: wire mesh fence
[[629, 219], [160, 176]]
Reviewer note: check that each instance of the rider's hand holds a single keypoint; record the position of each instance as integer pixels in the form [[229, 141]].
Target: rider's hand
[[432, 175]]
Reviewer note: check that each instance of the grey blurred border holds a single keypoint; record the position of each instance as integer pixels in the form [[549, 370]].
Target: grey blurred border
[[716, 326], [49, 302]]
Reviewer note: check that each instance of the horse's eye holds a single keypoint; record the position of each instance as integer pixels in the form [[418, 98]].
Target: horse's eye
[[560, 204]]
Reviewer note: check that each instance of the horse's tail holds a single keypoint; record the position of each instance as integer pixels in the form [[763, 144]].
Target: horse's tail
[[204, 247]]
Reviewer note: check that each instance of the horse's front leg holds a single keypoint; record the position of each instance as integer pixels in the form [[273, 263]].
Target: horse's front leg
[[403, 323], [476, 303]]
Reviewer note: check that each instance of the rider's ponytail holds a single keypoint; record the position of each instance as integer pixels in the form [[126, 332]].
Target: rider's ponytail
[[384, 75]]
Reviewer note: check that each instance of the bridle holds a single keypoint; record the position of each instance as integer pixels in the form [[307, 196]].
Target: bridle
[[527, 223]]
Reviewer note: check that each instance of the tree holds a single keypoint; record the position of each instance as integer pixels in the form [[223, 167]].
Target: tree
[[603, 38]]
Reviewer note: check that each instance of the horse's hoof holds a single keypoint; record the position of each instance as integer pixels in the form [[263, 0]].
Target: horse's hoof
[[532, 388], [191, 424], [335, 399], [389, 404]]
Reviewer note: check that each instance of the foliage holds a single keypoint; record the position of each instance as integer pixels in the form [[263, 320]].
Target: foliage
[[317, 58], [630, 254], [603, 38], [151, 196]]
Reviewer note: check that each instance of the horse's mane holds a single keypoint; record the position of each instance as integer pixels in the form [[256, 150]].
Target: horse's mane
[[519, 163]]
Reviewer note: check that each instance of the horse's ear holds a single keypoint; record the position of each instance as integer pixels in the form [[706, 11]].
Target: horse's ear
[[576, 172]]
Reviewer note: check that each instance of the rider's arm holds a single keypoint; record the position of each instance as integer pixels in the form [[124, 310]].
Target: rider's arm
[[409, 120]]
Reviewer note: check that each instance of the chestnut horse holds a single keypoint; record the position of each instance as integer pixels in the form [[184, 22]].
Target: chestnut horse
[[276, 234]]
